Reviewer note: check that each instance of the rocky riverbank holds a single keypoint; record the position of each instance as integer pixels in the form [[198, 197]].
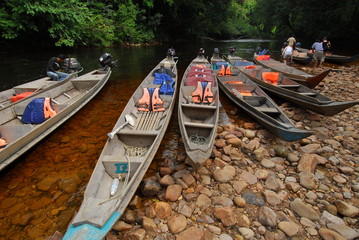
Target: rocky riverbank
[[256, 186]]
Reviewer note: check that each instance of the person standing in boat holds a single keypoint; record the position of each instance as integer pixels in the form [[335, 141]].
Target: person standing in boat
[[318, 53], [53, 68]]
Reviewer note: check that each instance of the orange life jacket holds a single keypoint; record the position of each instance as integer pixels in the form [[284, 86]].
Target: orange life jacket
[[157, 102], [221, 72], [144, 102], [48, 110], [2, 143], [198, 93], [233, 82], [20, 96], [208, 94], [270, 77], [228, 70], [245, 93]]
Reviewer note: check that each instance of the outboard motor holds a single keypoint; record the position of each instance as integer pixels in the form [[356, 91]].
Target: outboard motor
[[201, 52], [171, 52], [106, 61], [232, 50], [216, 53], [71, 65]]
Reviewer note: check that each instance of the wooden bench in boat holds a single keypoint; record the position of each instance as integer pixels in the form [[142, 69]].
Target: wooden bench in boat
[[267, 109], [289, 86], [199, 106], [308, 93], [199, 125]]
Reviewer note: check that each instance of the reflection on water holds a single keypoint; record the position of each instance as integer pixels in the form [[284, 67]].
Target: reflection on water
[[41, 191]]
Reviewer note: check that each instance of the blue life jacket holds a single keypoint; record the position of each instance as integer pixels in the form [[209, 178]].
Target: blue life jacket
[[34, 112], [166, 83]]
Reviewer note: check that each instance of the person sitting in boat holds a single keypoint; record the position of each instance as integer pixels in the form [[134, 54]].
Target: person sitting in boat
[[53, 68], [318, 54], [287, 54]]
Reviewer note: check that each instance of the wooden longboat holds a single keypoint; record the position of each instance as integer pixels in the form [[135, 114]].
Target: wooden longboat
[[67, 98], [252, 99], [332, 58], [31, 88], [291, 72], [198, 121], [124, 159], [298, 94]]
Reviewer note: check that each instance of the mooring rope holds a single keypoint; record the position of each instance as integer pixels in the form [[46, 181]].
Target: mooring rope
[[200, 140]]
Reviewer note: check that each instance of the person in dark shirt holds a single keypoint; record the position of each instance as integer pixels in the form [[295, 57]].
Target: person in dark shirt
[[53, 68]]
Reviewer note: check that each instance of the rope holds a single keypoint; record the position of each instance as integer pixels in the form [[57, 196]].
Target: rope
[[197, 139], [132, 151]]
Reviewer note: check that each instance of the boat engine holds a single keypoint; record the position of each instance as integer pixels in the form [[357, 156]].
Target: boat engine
[[71, 65], [232, 50], [106, 61], [201, 52]]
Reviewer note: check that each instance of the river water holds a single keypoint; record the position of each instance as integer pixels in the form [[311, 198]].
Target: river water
[[41, 190]]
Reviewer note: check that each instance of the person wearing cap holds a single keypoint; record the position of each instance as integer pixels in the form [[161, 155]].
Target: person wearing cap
[[53, 68]]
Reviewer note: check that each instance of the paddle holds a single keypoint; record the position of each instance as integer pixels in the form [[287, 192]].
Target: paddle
[[129, 120]]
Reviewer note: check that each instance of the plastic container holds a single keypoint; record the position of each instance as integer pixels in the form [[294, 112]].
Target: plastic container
[[114, 186]]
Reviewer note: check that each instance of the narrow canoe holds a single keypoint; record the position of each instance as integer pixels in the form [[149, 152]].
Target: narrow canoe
[[198, 121], [252, 99], [291, 72], [293, 92], [67, 98], [333, 58], [123, 161], [31, 88]]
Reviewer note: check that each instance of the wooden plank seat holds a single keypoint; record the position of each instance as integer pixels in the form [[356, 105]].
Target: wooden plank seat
[[289, 86], [199, 106], [199, 125], [267, 109], [308, 93]]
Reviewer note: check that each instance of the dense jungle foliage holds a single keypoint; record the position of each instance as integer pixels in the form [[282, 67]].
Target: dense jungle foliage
[[107, 22]]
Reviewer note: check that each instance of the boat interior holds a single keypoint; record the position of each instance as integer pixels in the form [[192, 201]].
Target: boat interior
[[199, 119], [11, 126]]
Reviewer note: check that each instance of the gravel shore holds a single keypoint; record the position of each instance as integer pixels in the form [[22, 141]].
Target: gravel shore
[[256, 186]]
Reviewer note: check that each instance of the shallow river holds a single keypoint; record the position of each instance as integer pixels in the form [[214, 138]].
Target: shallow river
[[42, 189]]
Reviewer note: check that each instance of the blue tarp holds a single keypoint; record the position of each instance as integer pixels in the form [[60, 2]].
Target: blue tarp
[[34, 112]]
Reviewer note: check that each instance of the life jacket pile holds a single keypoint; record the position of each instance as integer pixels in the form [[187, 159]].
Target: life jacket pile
[[166, 83], [202, 78], [150, 101], [271, 77], [37, 111]]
